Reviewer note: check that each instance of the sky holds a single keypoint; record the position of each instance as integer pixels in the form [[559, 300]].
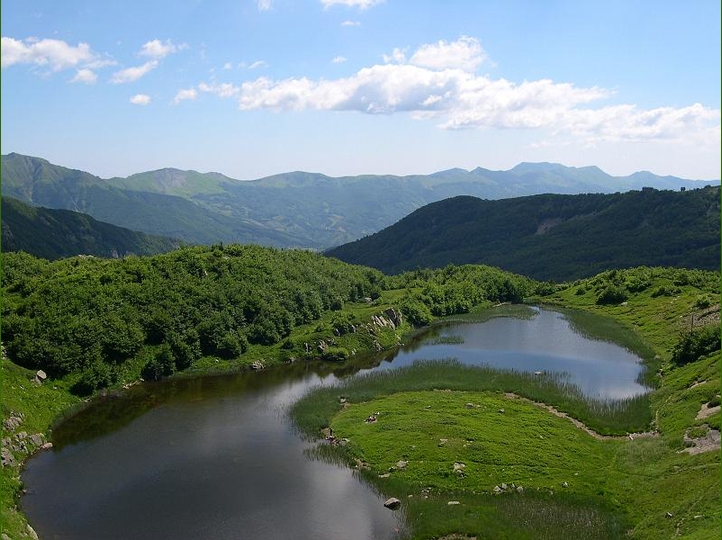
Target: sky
[[251, 88]]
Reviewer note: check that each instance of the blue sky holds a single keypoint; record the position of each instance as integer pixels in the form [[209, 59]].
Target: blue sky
[[251, 88]]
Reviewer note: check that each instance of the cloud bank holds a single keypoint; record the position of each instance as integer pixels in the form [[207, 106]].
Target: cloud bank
[[439, 82]]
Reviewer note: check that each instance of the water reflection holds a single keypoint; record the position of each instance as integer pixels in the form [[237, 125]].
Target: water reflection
[[217, 457]]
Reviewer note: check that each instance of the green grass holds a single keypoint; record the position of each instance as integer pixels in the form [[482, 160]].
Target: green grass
[[604, 416], [645, 488], [40, 405], [562, 470]]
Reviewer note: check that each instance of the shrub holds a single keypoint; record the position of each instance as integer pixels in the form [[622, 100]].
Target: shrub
[[612, 294], [695, 344]]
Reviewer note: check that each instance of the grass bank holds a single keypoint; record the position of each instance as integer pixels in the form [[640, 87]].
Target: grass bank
[[430, 448]]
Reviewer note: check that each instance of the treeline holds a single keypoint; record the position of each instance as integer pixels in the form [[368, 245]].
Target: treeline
[[54, 234], [559, 237], [111, 320], [95, 315]]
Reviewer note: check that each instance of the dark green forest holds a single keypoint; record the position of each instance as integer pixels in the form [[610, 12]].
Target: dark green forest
[[109, 321], [54, 234], [552, 237]]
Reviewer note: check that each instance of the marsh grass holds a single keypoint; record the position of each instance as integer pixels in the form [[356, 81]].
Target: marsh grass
[[499, 439], [607, 417]]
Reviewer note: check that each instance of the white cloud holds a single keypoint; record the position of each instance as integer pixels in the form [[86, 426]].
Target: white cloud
[[52, 53], [87, 76], [183, 95], [362, 4], [438, 82], [465, 53], [140, 99], [133, 73], [338, 60], [223, 90], [350, 23], [264, 5], [398, 56], [156, 49], [227, 65], [258, 64]]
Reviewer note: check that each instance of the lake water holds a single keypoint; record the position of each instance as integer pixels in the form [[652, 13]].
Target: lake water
[[217, 457]]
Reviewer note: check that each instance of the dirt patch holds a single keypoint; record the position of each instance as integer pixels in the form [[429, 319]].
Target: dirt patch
[[709, 443], [707, 411]]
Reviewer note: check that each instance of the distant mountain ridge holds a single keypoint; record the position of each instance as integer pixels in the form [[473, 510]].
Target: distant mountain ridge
[[54, 234], [558, 237], [296, 209]]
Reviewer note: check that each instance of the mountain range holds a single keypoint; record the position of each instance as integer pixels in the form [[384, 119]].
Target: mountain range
[[296, 209], [551, 237]]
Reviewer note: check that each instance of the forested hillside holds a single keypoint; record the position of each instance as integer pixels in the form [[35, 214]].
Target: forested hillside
[[109, 321], [558, 237], [294, 209], [37, 182], [54, 234]]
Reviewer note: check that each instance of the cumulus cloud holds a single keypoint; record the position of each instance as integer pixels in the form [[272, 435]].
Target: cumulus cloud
[[362, 4], [87, 76], [338, 60], [465, 53], [140, 99], [264, 5], [438, 82], [54, 54], [183, 95], [133, 73], [156, 49]]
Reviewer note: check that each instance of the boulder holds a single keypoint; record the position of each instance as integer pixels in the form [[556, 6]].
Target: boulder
[[392, 503], [41, 376]]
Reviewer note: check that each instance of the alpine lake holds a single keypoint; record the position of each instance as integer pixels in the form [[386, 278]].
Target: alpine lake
[[219, 457]]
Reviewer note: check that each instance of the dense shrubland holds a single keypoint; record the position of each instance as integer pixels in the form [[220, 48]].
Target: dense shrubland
[[110, 321]]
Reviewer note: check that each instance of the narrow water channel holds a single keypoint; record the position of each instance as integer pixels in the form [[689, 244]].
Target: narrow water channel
[[217, 457]]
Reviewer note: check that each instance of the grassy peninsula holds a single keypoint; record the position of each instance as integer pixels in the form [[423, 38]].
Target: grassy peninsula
[[468, 458]]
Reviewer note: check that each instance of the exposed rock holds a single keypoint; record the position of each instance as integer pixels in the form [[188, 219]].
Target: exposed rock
[[452, 503], [13, 421], [470, 405], [497, 489], [41, 376], [564, 484], [38, 439], [519, 489], [706, 411], [401, 464], [31, 533], [6, 458], [392, 503], [258, 365], [385, 475], [501, 411], [459, 468]]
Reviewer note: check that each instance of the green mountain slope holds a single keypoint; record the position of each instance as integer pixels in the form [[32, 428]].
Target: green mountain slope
[[295, 209], [558, 237], [37, 182], [54, 234]]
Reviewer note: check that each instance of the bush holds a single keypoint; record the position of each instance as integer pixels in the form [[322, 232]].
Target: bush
[[695, 344], [612, 294], [96, 376], [161, 365]]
